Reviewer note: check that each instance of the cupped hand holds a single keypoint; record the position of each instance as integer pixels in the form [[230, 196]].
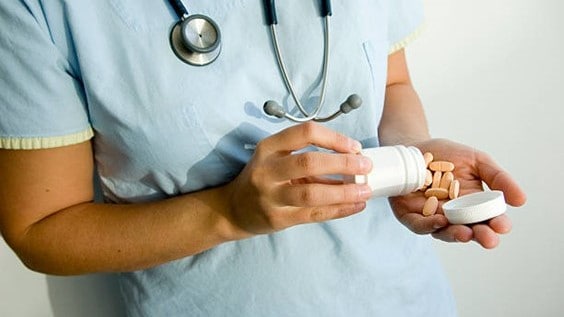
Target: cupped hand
[[280, 187], [472, 169]]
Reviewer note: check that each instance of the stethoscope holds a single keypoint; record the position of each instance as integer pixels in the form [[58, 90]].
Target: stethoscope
[[196, 40]]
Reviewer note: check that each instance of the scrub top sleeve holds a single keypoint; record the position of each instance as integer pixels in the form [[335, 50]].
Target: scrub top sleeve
[[42, 104], [405, 22]]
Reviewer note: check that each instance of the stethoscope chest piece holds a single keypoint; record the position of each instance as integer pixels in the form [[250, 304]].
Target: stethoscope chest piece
[[196, 40]]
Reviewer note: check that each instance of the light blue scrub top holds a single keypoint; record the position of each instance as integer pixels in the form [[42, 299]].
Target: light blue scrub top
[[73, 68]]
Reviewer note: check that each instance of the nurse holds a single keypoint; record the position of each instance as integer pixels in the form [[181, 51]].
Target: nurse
[[210, 206]]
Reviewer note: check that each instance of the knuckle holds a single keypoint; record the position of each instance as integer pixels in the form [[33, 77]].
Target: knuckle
[[257, 178], [318, 215], [261, 148], [483, 156], [306, 161], [309, 130], [272, 221], [307, 195], [324, 214], [349, 194], [347, 210], [350, 162], [280, 220], [339, 138]]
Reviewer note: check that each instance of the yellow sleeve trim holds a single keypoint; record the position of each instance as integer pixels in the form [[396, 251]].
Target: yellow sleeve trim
[[407, 40], [45, 143]]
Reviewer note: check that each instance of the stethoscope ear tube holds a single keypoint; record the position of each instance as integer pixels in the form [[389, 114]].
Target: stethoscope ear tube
[[272, 18], [196, 40], [270, 12], [326, 8]]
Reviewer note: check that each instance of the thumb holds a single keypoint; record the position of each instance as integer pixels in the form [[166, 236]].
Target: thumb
[[498, 179]]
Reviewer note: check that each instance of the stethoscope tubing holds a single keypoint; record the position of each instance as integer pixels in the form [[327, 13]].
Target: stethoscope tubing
[[179, 8], [272, 18], [287, 82], [272, 21], [199, 53]]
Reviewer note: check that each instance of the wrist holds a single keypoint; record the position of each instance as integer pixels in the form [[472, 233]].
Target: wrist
[[224, 224], [407, 140]]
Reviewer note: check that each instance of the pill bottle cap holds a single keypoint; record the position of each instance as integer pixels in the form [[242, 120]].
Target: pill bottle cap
[[475, 207]]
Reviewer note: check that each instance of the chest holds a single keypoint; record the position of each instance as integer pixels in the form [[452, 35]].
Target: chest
[[152, 113]]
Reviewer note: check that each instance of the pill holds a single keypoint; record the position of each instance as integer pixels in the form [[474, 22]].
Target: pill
[[438, 192], [428, 178], [437, 176], [447, 178], [454, 189], [439, 183], [428, 157], [442, 166], [430, 206]]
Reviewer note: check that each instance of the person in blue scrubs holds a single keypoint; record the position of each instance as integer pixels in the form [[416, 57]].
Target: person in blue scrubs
[[211, 207]]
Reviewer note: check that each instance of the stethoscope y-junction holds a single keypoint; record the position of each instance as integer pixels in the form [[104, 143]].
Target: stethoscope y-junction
[[196, 40]]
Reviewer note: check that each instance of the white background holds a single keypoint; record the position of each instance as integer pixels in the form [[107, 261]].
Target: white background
[[491, 74]]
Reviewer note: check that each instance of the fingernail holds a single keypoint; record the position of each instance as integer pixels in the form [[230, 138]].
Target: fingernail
[[365, 191], [365, 163], [440, 224], [356, 146]]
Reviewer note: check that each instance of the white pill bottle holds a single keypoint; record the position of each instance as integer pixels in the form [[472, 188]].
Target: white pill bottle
[[396, 170]]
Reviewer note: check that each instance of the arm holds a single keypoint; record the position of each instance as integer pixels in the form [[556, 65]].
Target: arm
[[403, 121], [48, 218], [47, 215]]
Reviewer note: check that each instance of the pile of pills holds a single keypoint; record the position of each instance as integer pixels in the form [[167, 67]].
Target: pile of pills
[[439, 184]]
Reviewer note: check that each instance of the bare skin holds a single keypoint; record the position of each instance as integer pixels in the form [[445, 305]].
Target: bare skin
[[47, 215], [403, 122]]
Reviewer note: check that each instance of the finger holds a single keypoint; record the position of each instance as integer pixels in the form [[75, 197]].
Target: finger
[[454, 233], [319, 163], [420, 224], [300, 136], [325, 213], [317, 195], [316, 180], [485, 236], [498, 179], [501, 224]]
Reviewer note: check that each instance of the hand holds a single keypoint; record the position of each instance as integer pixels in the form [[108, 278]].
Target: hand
[[279, 188], [472, 167]]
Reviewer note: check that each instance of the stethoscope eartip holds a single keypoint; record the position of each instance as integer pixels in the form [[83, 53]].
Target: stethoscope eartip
[[353, 102], [272, 108], [196, 40]]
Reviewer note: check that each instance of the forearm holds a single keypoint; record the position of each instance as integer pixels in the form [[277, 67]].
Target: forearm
[[60, 231], [403, 119], [103, 237]]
